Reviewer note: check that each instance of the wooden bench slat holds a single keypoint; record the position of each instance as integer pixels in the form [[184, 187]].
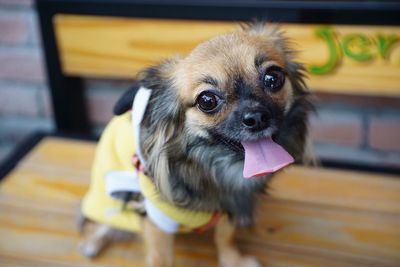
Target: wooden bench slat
[[330, 232], [120, 47], [54, 239], [43, 189], [347, 189], [348, 217], [64, 153], [350, 189]]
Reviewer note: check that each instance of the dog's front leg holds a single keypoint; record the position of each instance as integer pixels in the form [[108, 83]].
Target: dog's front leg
[[159, 245], [228, 254]]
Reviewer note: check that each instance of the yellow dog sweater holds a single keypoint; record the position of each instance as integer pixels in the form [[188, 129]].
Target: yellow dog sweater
[[113, 171]]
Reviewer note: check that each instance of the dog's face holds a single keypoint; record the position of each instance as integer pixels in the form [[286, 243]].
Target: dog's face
[[239, 87], [236, 85]]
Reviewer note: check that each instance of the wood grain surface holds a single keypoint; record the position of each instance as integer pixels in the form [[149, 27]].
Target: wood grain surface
[[313, 217], [120, 47]]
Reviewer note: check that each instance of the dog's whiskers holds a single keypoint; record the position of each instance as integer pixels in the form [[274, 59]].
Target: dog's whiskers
[[234, 145]]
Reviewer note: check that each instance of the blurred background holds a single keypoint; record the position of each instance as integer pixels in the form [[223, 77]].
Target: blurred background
[[350, 128]]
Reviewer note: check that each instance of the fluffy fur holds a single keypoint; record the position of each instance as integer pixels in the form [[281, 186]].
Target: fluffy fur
[[193, 167], [195, 157]]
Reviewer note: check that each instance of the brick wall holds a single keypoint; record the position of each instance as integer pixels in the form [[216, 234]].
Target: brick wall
[[358, 129], [24, 99], [347, 128]]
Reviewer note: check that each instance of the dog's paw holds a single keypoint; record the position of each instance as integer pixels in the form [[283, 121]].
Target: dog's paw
[[89, 249]]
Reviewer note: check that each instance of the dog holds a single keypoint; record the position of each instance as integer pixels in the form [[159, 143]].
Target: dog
[[207, 130]]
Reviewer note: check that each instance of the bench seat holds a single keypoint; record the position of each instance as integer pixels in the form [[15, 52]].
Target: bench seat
[[312, 217]]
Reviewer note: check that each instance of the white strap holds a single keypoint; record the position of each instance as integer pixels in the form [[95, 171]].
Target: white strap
[[121, 182], [159, 218], [140, 103], [128, 181], [138, 109]]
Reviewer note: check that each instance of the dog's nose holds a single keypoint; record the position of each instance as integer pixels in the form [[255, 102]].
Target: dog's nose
[[256, 121]]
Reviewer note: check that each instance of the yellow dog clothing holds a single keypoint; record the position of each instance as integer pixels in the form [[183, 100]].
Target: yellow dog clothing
[[113, 172]]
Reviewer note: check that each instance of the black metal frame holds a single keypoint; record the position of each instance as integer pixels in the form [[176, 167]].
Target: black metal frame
[[70, 112]]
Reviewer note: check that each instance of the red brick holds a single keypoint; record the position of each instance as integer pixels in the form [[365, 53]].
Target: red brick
[[21, 66], [35, 33], [16, 2], [384, 133], [358, 100], [337, 128], [16, 100], [13, 30], [101, 107], [45, 105], [101, 95]]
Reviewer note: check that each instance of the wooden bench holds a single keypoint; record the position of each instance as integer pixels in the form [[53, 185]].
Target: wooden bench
[[312, 217]]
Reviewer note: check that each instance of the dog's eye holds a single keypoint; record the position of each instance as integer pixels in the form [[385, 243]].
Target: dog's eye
[[208, 102], [274, 78]]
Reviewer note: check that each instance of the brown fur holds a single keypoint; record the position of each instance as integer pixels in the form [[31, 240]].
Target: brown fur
[[187, 151]]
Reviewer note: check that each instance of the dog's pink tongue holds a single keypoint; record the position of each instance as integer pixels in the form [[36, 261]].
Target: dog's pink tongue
[[264, 156]]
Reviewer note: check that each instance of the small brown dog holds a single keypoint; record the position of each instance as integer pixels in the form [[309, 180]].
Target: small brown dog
[[206, 119]]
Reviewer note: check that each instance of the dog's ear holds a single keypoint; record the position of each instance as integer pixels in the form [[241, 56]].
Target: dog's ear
[[124, 103], [273, 33], [155, 77], [162, 126]]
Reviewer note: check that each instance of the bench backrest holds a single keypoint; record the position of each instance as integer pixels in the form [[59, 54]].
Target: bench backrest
[[117, 38]]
